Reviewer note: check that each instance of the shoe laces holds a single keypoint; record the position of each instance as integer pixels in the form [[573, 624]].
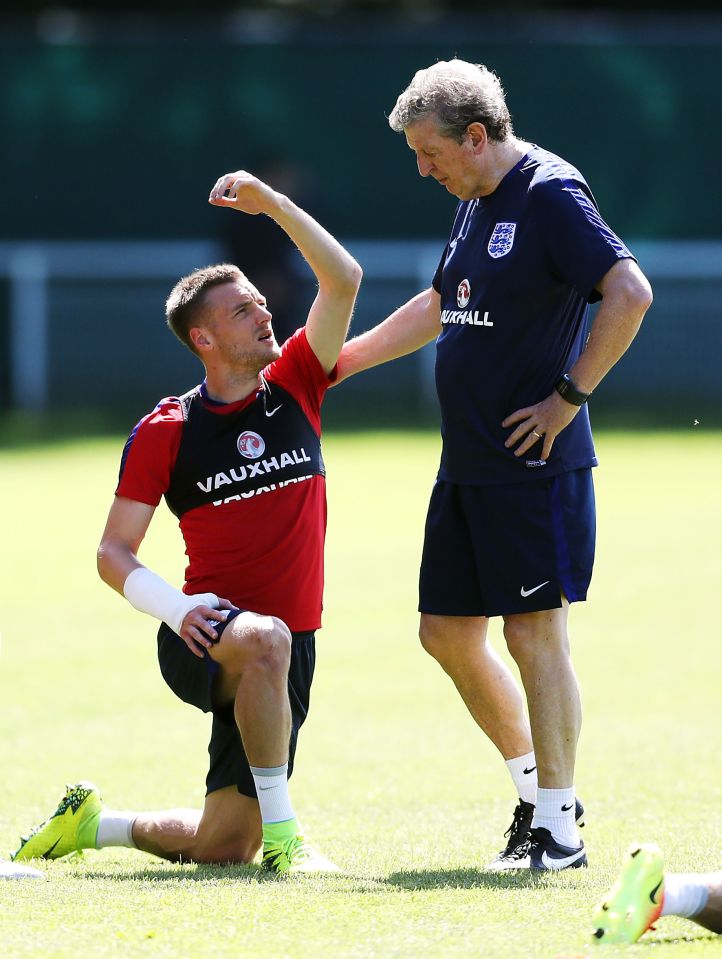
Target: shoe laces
[[294, 850], [521, 823], [73, 799], [519, 832], [297, 850]]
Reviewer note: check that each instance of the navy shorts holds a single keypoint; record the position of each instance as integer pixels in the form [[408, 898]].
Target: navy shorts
[[501, 550], [192, 678]]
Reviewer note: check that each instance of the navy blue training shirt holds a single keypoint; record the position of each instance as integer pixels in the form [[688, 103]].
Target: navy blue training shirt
[[515, 281]]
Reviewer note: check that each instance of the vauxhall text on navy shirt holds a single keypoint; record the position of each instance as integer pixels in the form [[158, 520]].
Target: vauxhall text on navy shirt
[[515, 281]]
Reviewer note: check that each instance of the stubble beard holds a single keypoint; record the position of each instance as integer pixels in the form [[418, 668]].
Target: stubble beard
[[251, 362]]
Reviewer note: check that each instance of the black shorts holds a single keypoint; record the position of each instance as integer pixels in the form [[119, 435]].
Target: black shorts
[[501, 550], [191, 679]]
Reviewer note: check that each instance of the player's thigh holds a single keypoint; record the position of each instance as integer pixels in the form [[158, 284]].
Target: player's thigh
[[229, 829], [448, 580], [533, 542]]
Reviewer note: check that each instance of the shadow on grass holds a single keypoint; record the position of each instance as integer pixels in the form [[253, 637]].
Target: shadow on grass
[[250, 875], [187, 872], [474, 879], [703, 936]]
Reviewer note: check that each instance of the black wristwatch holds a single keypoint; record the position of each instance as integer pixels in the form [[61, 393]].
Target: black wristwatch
[[568, 391]]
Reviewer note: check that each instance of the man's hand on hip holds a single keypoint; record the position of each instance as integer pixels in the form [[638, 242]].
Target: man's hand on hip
[[540, 423]]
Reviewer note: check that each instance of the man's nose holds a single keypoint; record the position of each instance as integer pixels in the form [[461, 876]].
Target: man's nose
[[424, 166]]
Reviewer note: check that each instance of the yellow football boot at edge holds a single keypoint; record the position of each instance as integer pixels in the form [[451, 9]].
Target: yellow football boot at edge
[[73, 826], [635, 900]]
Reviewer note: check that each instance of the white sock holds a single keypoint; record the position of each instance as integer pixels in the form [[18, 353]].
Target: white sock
[[272, 788], [523, 773], [555, 811], [115, 828], [684, 895]]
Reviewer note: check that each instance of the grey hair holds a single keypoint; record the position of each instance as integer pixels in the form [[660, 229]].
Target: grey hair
[[457, 93], [184, 306]]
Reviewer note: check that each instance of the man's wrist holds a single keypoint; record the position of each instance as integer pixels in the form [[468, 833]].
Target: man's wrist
[[150, 593], [279, 206], [569, 391]]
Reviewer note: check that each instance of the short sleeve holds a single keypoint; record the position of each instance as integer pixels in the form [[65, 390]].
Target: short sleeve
[[436, 282], [150, 453], [581, 246], [299, 372]]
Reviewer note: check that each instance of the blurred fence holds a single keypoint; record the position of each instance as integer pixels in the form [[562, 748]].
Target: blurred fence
[[82, 328]]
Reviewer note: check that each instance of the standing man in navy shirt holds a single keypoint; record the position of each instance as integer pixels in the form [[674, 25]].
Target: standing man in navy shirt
[[510, 528]]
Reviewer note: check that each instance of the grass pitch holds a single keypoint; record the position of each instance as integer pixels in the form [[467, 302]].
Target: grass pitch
[[393, 780]]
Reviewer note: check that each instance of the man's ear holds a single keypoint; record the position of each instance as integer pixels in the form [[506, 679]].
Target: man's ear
[[200, 338], [477, 135]]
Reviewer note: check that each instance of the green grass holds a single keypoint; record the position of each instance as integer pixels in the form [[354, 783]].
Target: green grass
[[393, 780]]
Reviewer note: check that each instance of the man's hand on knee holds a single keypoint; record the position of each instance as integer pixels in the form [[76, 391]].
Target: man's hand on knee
[[198, 628]]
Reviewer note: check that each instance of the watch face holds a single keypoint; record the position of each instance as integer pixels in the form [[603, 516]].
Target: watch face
[[566, 389]]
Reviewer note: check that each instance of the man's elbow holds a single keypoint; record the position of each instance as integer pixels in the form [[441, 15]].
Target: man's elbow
[[634, 288], [353, 275], [101, 560], [105, 560], [347, 279], [628, 287], [641, 295]]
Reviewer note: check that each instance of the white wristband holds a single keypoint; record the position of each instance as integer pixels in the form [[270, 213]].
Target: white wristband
[[150, 594]]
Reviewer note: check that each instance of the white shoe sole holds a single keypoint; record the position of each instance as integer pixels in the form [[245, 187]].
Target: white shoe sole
[[13, 870]]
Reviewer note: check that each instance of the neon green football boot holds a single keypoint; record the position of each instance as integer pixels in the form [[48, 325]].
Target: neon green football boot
[[288, 855], [635, 900], [73, 826]]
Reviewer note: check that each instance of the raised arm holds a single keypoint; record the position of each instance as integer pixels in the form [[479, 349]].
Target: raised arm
[[338, 274], [409, 328], [120, 568]]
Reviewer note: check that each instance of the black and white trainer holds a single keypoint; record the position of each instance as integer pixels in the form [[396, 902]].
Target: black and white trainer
[[546, 853], [515, 855]]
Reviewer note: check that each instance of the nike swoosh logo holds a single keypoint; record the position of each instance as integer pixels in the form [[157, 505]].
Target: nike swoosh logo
[[528, 592], [264, 788], [654, 892], [274, 410], [528, 772], [567, 808], [563, 862], [46, 855]]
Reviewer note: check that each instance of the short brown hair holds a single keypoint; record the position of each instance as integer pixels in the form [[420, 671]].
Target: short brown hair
[[457, 93], [184, 306]]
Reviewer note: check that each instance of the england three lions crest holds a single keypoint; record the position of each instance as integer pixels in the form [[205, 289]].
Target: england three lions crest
[[501, 240]]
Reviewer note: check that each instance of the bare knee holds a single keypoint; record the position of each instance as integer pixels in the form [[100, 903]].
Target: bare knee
[[532, 635], [258, 642], [453, 640], [272, 645], [433, 638]]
